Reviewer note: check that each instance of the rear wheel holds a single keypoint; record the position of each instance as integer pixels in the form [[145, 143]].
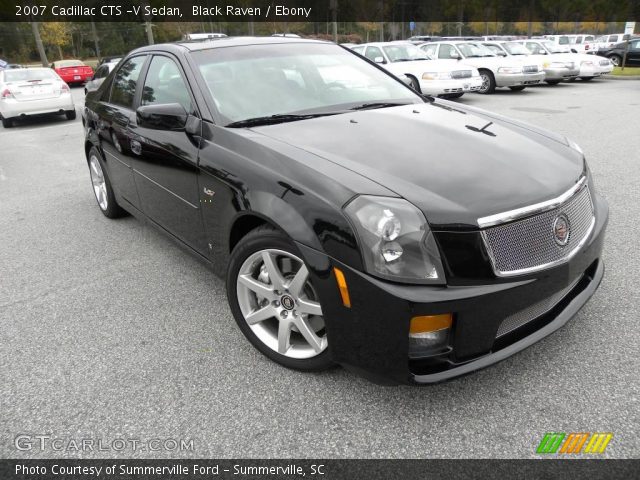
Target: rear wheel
[[453, 95], [553, 82], [586, 79], [517, 88], [7, 122], [488, 82], [70, 114], [274, 301], [102, 188]]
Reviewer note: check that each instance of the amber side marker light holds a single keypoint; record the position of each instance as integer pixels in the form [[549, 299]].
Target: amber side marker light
[[342, 286], [429, 334]]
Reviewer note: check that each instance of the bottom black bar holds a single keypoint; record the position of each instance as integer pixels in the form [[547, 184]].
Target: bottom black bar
[[316, 469]]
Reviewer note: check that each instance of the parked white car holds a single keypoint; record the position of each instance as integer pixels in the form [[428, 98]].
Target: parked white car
[[587, 66], [495, 71], [607, 41], [33, 91], [432, 77]]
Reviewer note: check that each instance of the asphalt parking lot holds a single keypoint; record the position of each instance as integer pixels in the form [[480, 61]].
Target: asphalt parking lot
[[109, 330]]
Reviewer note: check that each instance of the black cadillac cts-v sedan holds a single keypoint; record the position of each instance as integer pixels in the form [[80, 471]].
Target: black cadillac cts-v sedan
[[357, 222]]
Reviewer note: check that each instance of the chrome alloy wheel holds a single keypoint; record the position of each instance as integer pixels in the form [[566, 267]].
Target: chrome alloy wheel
[[98, 181], [280, 305], [485, 82]]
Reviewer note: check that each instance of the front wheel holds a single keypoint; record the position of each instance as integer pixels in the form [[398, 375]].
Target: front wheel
[[553, 82], [7, 122], [586, 79], [274, 301], [517, 88], [70, 114], [451, 96], [488, 82]]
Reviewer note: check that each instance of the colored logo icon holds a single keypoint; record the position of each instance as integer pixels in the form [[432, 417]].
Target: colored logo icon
[[583, 442]]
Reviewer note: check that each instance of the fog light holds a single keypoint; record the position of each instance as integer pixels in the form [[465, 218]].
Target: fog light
[[429, 334]]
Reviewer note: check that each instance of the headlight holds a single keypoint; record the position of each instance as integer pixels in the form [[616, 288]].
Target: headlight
[[395, 240], [574, 145], [560, 65], [436, 76], [510, 70], [589, 62]]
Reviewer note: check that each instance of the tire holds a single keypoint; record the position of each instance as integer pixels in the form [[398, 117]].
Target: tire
[[70, 114], [267, 274], [85, 91], [517, 88], [488, 82], [586, 79], [102, 188], [553, 82], [616, 60], [572, 79], [7, 122], [415, 84], [451, 96]]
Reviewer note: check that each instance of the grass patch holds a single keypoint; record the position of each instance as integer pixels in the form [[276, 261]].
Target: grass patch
[[628, 71]]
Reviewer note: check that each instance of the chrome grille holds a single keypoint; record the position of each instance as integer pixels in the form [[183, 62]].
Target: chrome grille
[[530, 69], [518, 319], [527, 245], [461, 74]]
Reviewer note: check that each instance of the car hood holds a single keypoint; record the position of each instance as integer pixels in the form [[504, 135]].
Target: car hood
[[489, 62], [455, 163]]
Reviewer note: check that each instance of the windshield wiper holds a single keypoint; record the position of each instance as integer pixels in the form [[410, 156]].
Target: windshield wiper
[[371, 105], [274, 119], [402, 60]]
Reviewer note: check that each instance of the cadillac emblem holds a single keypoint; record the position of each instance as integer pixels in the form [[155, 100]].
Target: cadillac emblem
[[561, 230]]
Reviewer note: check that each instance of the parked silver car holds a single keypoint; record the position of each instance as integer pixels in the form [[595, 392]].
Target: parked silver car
[[33, 91]]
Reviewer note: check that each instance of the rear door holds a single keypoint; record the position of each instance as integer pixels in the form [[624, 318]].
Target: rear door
[[165, 161]]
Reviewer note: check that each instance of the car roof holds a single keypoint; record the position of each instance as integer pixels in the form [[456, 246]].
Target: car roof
[[212, 43], [384, 44]]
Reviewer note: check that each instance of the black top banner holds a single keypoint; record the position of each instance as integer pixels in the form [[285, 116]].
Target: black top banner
[[320, 10]]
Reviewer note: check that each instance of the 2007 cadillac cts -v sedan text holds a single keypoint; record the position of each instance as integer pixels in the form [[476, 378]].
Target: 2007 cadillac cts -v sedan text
[[358, 223]]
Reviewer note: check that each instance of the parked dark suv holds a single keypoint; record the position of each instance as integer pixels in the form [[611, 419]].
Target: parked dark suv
[[356, 222]]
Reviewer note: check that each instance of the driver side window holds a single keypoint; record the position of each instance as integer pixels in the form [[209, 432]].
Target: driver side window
[[447, 51], [165, 84], [372, 53]]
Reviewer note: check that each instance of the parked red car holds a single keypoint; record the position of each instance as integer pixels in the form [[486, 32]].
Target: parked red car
[[73, 71]]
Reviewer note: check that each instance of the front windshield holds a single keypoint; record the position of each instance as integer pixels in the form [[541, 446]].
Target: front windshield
[[516, 49], [262, 80], [404, 53], [470, 50], [28, 75]]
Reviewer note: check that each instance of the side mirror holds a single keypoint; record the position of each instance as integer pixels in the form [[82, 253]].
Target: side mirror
[[166, 116], [379, 59], [454, 55], [501, 54], [407, 81]]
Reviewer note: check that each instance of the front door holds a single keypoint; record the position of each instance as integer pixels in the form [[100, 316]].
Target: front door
[[165, 162]]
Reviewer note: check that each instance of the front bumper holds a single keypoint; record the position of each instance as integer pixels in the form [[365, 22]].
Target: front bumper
[[518, 79], [560, 73], [371, 338], [444, 87], [10, 108]]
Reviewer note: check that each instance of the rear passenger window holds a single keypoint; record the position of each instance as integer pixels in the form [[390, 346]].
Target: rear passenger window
[[165, 84], [125, 82]]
